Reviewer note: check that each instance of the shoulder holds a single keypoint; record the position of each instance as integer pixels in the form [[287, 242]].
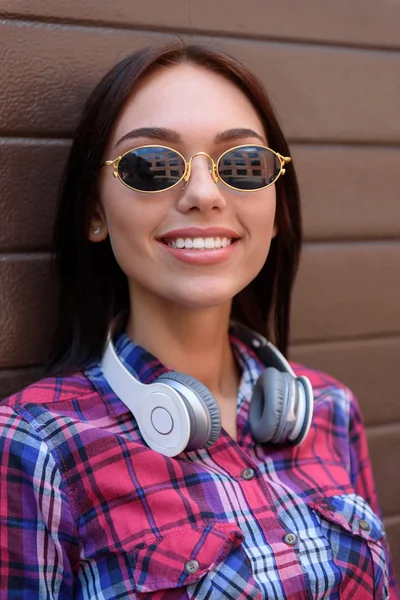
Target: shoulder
[[49, 391], [40, 418], [319, 380], [331, 392]]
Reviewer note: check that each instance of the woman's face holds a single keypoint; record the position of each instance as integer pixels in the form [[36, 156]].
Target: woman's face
[[202, 112]]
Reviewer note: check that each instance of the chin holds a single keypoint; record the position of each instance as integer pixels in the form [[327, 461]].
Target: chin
[[205, 298]]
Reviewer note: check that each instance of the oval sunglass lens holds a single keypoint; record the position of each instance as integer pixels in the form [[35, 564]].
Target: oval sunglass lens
[[249, 167], [151, 169]]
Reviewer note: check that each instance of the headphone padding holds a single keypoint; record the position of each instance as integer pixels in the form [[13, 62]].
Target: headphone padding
[[267, 403], [205, 397]]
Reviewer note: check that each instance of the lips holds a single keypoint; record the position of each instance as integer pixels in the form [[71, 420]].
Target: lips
[[200, 246]]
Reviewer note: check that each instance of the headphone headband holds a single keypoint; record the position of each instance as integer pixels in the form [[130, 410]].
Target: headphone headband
[[268, 354]]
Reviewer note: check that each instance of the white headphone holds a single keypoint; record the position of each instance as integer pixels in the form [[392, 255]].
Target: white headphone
[[177, 412]]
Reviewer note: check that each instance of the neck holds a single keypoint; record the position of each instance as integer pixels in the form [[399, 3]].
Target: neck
[[190, 340]]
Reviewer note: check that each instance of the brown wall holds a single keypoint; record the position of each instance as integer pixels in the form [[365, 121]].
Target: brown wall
[[333, 71]]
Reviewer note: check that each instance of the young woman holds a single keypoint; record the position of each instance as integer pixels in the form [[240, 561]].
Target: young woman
[[172, 452]]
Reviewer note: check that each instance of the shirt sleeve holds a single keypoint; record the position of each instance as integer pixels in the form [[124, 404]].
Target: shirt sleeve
[[362, 477], [39, 548]]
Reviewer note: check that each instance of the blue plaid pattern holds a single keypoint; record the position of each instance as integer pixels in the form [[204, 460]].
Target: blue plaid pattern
[[88, 511]]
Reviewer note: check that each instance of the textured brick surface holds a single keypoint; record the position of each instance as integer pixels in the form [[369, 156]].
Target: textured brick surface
[[364, 22], [347, 290], [46, 91]]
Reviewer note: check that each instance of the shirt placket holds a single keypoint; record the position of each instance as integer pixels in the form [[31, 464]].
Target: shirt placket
[[283, 542]]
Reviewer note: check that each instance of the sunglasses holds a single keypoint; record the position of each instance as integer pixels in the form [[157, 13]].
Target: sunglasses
[[152, 169]]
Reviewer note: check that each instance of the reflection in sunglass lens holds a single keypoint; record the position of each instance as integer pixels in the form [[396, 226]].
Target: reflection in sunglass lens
[[151, 169], [249, 167]]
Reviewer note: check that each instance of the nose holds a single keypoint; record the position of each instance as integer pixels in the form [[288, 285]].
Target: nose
[[201, 190]]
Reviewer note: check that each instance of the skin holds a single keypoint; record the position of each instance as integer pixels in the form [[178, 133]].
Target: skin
[[179, 311]]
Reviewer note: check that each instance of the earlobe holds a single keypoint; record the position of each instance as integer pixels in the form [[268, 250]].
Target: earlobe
[[274, 231], [98, 230], [98, 233]]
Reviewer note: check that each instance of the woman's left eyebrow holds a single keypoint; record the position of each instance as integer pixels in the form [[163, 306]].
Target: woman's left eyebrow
[[237, 133]]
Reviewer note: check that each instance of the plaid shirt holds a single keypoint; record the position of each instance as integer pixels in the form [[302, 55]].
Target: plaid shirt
[[88, 511]]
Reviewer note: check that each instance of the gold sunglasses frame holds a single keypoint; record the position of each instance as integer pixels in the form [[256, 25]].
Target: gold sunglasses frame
[[283, 160]]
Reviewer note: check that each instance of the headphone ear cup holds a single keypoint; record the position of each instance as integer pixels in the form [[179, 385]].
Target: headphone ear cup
[[204, 428], [303, 426], [269, 402]]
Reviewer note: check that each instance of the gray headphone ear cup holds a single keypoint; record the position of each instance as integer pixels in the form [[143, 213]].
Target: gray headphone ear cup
[[268, 402], [205, 397]]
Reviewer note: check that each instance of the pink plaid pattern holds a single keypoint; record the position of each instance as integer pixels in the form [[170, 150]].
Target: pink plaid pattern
[[87, 510]]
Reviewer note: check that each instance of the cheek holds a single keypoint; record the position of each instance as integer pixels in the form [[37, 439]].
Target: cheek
[[261, 229], [131, 222], [262, 220]]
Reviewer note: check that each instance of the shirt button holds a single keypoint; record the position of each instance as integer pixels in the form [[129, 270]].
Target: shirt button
[[247, 474], [191, 566], [290, 539], [364, 525]]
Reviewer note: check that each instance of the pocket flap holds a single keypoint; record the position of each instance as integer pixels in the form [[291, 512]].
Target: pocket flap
[[183, 556], [352, 513]]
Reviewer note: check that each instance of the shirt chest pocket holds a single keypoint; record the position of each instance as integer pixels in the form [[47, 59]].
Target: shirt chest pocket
[[182, 557], [356, 536]]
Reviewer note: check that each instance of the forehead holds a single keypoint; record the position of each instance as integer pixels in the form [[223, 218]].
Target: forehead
[[193, 100]]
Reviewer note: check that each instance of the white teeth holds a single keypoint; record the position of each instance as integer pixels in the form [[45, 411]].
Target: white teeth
[[198, 243], [209, 243]]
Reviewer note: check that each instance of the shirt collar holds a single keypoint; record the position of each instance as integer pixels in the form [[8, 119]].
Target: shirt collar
[[146, 368]]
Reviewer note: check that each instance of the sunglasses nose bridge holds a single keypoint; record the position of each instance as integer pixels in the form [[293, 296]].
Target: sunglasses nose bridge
[[214, 173]]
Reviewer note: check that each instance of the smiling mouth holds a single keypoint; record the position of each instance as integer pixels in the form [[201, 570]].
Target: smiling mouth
[[199, 243]]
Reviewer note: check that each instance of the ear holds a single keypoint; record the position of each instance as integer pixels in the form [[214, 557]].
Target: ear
[[274, 230], [98, 230]]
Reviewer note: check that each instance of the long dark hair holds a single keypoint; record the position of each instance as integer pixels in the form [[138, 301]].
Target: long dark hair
[[93, 289]]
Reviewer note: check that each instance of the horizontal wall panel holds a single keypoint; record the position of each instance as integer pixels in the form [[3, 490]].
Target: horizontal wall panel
[[327, 93], [175, 14], [361, 21], [368, 367], [348, 192], [342, 21], [306, 83], [65, 63], [384, 448], [29, 179], [27, 309], [332, 205], [16, 379], [346, 291]]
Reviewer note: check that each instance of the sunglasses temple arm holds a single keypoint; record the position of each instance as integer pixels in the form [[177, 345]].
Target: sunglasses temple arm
[[114, 163], [283, 160]]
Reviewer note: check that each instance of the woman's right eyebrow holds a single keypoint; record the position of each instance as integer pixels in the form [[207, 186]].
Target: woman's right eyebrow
[[154, 133]]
